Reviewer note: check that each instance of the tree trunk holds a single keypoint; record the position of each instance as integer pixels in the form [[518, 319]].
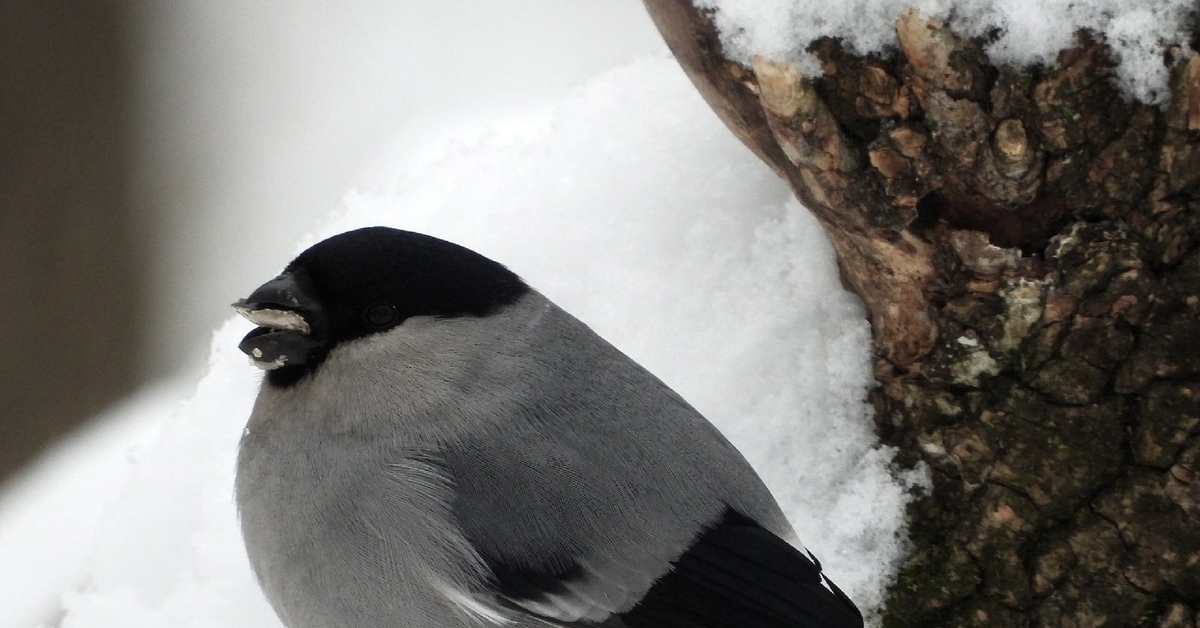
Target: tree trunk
[[1024, 240]]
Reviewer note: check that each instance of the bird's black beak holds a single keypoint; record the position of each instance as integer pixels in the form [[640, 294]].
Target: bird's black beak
[[285, 315]]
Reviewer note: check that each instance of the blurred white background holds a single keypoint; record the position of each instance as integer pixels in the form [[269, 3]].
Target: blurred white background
[[254, 118]]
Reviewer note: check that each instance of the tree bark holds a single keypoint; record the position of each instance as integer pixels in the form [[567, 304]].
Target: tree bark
[[1024, 240]]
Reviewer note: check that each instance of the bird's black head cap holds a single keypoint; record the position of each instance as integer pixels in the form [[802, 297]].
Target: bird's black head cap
[[371, 280]]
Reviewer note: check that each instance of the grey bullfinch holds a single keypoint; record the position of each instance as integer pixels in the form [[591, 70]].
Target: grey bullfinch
[[435, 444]]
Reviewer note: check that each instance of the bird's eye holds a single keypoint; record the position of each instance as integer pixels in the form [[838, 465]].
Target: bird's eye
[[380, 314]]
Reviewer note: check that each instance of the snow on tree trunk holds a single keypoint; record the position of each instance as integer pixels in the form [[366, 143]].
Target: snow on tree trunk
[[1024, 240]]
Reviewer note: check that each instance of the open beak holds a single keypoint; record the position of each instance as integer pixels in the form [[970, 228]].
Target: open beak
[[283, 312]]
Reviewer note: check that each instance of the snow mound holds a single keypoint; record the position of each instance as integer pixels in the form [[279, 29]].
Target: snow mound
[[1027, 32]]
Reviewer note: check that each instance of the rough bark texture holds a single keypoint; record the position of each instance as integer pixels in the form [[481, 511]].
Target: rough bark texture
[[1025, 243]]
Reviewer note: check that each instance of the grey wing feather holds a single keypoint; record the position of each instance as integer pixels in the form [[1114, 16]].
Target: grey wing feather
[[550, 526]]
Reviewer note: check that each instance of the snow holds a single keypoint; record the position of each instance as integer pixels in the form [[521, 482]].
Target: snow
[[49, 514], [627, 202], [1026, 32]]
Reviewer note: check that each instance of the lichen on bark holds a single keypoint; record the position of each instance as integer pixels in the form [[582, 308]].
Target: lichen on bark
[[1024, 240]]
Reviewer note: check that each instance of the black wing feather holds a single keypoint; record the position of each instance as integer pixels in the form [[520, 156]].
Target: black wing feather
[[735, 575], [739, 575], [521, 583]]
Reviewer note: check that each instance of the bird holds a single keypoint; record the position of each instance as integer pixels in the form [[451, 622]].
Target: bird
[[436, 444]]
